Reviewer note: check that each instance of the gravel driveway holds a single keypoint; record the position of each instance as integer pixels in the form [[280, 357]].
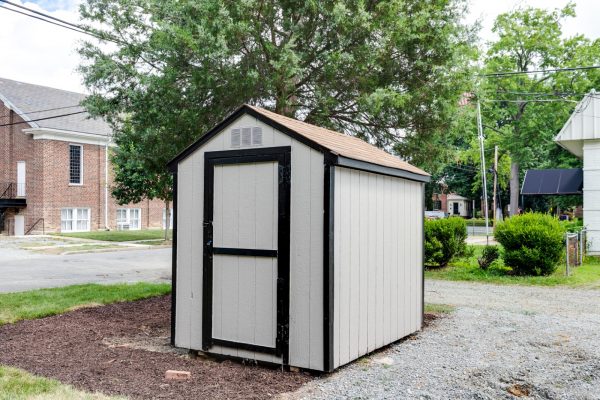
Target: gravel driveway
[[541, 343]]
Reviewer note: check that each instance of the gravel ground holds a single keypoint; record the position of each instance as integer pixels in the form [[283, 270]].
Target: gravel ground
[[501, 342]]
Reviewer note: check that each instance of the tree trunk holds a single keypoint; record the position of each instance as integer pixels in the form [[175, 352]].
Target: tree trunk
[[167, 218], [514, 188]]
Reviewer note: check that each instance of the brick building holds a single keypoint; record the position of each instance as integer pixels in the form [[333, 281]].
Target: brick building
[[54, 172]]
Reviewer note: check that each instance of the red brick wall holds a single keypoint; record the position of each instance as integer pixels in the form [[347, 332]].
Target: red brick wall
[[47, 180]]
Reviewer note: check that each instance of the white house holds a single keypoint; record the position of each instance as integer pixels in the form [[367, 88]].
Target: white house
[[294, 244], [458, 206], [581, 136]]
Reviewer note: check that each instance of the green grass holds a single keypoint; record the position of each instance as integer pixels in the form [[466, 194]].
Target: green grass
[[45, 302], [16, 384], [120, 236], [438, 308], [467, 269]]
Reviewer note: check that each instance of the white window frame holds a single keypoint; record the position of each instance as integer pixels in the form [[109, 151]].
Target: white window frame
[[74, 219], [80, 164], [128, 219]]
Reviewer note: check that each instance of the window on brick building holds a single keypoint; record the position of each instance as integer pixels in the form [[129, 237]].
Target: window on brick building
[[437, 205], [129, 218], [75, 164], [75, 220]]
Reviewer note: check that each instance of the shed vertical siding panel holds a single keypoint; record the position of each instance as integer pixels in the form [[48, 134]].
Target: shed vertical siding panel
[[389, 217], [363, 259], [372, 254], [387, 255], [185, 202], [317, 269], [354, 252], [379, 263], [395, 191], [345, 226], [406, 244], [300, 253], [337, 266]]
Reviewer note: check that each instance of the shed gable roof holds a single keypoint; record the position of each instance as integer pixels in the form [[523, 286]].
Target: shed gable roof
[[323, 139], [583, 124], [34, 102]]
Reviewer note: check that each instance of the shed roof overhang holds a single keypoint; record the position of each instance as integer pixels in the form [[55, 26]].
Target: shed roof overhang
[[583, 124], [298, 131]]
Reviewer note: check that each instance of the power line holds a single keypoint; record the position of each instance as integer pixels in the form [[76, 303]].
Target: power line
[[539, 71], [43, 119], [55, 21], [42, 19]]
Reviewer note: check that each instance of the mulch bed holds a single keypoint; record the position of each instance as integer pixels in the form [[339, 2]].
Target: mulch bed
[[78, 348]]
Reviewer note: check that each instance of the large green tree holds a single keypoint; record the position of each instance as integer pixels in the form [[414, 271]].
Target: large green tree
[[524, 112], [390, 72]]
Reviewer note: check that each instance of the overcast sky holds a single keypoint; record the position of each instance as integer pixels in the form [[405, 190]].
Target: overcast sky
[[37, 52]]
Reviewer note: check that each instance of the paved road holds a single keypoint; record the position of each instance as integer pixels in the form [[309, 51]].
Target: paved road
[[24, 270]]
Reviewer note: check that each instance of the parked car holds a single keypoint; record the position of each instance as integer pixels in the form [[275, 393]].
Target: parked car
[[435, 214]]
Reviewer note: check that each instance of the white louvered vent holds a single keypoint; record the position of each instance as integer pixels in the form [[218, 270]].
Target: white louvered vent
[[256, 136], [246, 137], [235, 138]]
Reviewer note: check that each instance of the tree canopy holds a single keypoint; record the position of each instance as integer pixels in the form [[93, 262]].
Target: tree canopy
[[390, 72]]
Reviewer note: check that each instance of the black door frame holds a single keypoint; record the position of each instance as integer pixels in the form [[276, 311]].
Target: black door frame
[[282, 155]]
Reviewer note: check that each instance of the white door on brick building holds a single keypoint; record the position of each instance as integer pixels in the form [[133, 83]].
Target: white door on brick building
[[21, 178]]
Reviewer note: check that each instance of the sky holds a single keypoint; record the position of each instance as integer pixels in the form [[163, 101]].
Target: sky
[[37, 52]]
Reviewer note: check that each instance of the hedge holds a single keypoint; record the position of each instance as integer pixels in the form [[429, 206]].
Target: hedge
[[444, 240], [533, 243]]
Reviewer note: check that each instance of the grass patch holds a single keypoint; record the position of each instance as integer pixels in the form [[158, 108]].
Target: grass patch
[[83, 247], [438, 308], [46, 302], [467, 269], [16, 384], [120, 236]]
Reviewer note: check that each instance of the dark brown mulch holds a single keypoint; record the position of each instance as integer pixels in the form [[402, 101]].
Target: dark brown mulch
[[75, 348]]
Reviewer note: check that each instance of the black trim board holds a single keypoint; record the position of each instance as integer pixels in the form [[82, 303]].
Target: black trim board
[[282, 155], [328, 266], [174, 262], [228, 251], [244, 346]]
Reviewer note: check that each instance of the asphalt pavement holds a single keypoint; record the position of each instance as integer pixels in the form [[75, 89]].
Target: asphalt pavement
[[25, 270]]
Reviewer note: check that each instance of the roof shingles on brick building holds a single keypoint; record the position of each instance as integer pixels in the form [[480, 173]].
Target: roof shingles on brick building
[[54, 170]]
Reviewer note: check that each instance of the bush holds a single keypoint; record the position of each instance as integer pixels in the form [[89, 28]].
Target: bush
[[488, 256], [444, 240], [533, 243]]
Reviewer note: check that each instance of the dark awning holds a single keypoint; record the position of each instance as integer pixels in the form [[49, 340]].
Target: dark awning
[[553, 182]]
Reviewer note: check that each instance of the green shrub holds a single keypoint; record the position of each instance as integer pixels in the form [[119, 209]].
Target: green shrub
[[572, 226], [489, 254], [444, 240], [533, 243]]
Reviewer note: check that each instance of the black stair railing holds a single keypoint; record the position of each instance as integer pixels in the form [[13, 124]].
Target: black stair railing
[[7, 190]]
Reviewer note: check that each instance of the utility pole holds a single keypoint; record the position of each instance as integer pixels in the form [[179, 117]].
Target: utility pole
[[483, 173], [495, 182]]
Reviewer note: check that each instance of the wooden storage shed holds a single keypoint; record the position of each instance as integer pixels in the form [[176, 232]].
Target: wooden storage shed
[[294, 244]]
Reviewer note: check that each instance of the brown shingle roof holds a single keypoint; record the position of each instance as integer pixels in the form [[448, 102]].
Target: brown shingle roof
[[341, 144]]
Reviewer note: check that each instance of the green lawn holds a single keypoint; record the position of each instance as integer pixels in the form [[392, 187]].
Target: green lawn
[[467, 269], [120, 236], [45, 302], [438, 308], [16, 384]]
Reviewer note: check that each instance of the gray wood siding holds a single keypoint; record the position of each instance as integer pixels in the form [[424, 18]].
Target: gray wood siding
[[306, 250], [378, 252]]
